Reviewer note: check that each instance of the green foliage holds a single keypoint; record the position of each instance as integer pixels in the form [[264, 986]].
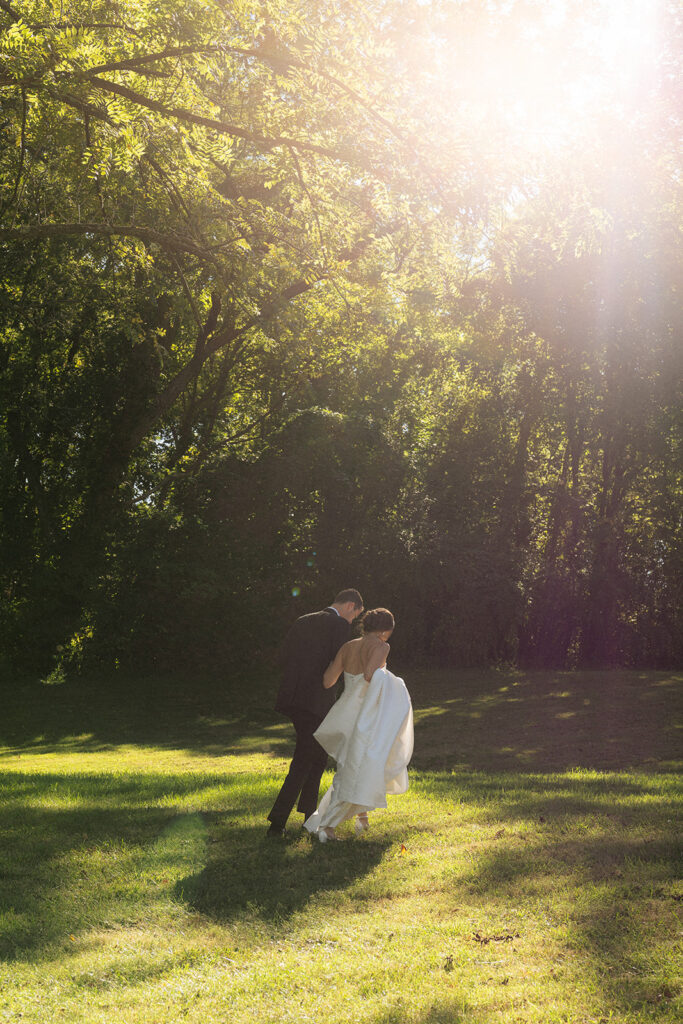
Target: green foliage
[[288, 303]]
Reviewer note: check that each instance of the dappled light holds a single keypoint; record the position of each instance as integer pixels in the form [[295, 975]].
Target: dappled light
[[537, 721], [138, 870], [301, 295]]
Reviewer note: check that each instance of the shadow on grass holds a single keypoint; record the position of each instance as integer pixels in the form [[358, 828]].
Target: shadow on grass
[[95, 850], [614, 897], [249, 874], [81, 851], [56, 877], [547, 721], [453, 1010], [595, 862], [556, 803], [202, 717], [491, 721]]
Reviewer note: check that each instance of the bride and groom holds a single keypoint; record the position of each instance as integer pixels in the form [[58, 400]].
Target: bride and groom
[[368, 730]]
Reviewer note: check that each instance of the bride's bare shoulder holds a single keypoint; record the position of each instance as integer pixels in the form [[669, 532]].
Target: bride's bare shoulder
[[349, 647], [374, 642]]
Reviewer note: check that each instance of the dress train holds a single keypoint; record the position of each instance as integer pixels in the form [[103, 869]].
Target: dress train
[[369, 732]]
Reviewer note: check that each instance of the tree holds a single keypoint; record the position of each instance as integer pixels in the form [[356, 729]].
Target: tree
[[295, 277], [173, 178]]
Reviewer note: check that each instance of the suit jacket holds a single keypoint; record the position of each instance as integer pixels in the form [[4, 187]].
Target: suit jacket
[[309, 647]]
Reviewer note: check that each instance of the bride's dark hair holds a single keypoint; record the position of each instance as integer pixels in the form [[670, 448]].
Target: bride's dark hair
[[377, 620]]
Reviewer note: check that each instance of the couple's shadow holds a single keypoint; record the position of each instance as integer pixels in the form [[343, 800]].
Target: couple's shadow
[[248, 874]]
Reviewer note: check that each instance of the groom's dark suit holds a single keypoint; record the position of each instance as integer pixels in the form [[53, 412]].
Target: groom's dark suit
[[309, 647]]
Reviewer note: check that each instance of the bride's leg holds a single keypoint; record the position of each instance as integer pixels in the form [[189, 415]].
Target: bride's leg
[[362, 823]]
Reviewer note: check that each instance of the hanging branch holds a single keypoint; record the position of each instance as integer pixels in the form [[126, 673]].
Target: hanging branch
[[180, 114], [236, 335], [173, 243]]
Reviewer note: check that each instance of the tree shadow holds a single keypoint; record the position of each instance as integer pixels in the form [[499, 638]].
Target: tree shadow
[[81, 851], [621, 800], [91, 716], [485, 720], [621, 897], [547, 721]]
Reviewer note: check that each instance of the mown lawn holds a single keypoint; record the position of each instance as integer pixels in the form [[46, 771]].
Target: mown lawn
[[531, 874]]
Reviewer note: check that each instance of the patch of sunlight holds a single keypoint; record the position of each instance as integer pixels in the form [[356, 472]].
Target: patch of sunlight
[[560, 695], [671, 681], [129, 759], [565, 714], [65, 745], [435, 711], [215, 722], [503, 689]]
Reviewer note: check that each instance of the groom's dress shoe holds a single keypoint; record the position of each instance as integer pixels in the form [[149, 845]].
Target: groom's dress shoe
[[276, 832]]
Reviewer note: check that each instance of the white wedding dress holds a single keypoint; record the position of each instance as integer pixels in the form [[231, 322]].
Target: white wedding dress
[[369, 732]]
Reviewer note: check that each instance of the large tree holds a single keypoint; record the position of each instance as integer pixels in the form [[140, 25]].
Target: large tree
[[292, 291]]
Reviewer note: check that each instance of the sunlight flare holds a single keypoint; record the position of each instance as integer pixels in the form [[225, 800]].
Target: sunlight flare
[[546, 74]]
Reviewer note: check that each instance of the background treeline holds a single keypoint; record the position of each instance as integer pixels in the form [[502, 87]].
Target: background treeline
[[281, 312]]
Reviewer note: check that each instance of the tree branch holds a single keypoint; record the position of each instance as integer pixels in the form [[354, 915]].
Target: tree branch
[[8, 9], [174, 243], [188, 293], [302, 181], [176, 195], [282, 58], [180, 114], [232, 334], [150, 58]]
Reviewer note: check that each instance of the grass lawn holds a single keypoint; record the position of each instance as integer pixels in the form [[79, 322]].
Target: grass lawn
[[531, 873]]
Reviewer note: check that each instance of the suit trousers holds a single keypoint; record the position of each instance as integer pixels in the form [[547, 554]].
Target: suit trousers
[[305, 771]]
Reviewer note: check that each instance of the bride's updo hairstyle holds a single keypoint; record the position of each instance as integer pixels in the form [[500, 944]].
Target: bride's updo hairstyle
[[377, 621]]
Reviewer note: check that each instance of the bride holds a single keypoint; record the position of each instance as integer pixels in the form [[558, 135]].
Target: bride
[[369, 731]]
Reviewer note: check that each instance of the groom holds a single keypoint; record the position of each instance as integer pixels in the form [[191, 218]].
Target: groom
[[309, 647]]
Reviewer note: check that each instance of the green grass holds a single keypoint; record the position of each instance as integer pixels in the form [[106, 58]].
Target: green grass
[[530, 875]]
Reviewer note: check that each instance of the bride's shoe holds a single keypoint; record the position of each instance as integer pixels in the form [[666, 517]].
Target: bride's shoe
[[325, 834], [361, 824]]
